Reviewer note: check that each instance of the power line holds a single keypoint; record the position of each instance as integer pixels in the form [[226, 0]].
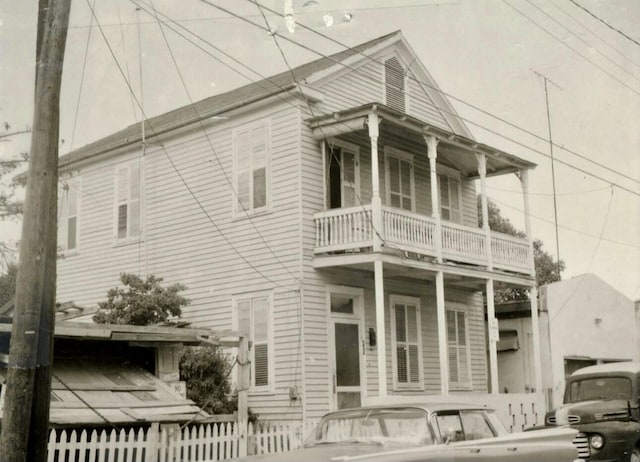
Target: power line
[[624, 56], [174, 167], [586, 58], [432, 87], [582, 40], [213, 150], [605, 23], [377, 79]]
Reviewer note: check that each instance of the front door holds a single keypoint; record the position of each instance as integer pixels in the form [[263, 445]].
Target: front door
[[347, 348]]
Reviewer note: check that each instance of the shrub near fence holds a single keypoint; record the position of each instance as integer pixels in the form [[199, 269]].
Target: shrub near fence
[[196, 443]]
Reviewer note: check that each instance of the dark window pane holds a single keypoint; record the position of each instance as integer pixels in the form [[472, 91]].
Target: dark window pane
[[259, 187], [341, 304], [347, 355], [122, 221], [401, 363], [348, 399], [262, 365], [71, 233]]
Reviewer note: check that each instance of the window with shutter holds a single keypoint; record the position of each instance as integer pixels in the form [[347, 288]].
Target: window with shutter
[[253, 318], [251, 147], [450, 198], [458, 349], [128, 200], [394, 84], [68, 210], [406, 342], [400, 181]]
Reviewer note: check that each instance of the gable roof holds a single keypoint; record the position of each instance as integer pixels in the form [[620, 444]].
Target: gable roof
[[218, 104]]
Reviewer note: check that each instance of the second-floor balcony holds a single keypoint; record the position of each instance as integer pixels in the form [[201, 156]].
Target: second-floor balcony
[[351, 230]]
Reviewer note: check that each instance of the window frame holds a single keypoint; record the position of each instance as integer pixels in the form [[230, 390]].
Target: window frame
[[139, 163], [401, 156], [458, 384], [354, 149], [406, 300], [454, 175], [240, 210], [68, 184], [251, 297]]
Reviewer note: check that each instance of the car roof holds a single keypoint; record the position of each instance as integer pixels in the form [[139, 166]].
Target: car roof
[[632, 367], [429, 407]]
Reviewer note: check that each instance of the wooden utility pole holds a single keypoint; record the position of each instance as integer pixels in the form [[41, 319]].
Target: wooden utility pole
[[26, 409]]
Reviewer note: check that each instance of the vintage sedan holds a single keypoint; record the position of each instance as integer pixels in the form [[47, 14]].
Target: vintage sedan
[[438, 432]]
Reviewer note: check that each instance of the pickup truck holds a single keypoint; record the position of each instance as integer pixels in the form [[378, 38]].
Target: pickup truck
[[602, 402]]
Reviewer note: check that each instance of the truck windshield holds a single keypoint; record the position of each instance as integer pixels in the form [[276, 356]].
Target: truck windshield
[[598, 388]]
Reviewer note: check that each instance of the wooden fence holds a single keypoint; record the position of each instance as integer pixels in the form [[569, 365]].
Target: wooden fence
[[196, 443]]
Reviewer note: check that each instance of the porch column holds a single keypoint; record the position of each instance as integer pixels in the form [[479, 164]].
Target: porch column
[[492, 322], [376, 202], [380, 339], [432, 152], [482, 170], [533, 291], [493, 337], [443, 348]]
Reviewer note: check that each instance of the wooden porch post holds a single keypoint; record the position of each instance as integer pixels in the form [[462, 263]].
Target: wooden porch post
[[442, 334], [533, 292], [491, 311], [381, 340], [376, 201], [376, 211], [432, 151], [493, 337]]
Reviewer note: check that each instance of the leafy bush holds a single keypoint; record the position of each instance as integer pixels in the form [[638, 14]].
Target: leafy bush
[[141, 302]]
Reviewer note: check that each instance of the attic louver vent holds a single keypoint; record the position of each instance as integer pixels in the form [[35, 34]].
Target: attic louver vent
[[394, 84]]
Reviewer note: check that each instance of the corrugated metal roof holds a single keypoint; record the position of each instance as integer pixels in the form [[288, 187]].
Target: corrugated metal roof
[[111, 391]]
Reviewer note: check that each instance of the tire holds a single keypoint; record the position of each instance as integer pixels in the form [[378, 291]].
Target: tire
[[635, 455]]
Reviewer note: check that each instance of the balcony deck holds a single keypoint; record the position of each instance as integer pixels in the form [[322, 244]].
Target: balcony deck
[[351, 229]]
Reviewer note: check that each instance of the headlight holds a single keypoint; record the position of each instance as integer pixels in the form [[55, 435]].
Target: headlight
[[596, 441]]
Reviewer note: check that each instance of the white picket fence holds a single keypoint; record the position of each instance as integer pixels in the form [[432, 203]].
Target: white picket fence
[[196, 443]]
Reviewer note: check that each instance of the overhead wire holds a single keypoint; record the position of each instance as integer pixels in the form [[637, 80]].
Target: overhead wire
[[602, 40], [605, 23], [563, 42], [437, 89], [494, 132], [213, 150], [593, 255], [583, 41], [174, 167]]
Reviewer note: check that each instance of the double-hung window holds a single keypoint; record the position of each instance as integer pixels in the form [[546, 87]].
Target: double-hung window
[[406, 341], [128, 219], [253, 314], [400, 182], [68, 212], [458, 349], [252, 173], [450, 198]]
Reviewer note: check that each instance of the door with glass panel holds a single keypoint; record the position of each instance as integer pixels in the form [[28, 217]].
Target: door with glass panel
[[347, 350]]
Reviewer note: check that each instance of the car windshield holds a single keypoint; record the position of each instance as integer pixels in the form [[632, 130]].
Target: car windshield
[[401, 426], [598, 388]]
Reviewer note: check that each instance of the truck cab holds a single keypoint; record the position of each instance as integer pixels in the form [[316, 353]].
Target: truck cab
[[602, 403]]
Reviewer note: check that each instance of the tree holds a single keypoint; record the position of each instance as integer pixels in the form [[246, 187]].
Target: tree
[[8, 283], [141, 303], [206, 371], [547, 269]]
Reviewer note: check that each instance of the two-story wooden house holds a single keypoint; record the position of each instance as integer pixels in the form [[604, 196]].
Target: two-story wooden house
[[330, 212]]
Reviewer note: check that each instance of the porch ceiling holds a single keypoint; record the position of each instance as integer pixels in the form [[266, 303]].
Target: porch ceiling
[[396, 267], [455, 150]]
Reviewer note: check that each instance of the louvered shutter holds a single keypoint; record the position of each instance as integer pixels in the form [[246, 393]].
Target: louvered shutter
[[395, 197], [401, 345], [261, 341], [71, 210], [134, 200], [412, 344], [394, 84], [463, 356], [259, 142], [452, 346], [458, 344], [123, 207], [62, 219], [243, 175], [348, 179]]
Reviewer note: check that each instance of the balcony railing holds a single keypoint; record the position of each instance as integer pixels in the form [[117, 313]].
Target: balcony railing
[[351, 229]]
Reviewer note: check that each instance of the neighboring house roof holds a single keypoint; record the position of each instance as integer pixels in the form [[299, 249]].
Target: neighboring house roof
[[218, 104], [86, 392], [586, 282]]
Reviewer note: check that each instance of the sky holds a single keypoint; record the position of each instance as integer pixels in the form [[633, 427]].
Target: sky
[[488, 56]]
